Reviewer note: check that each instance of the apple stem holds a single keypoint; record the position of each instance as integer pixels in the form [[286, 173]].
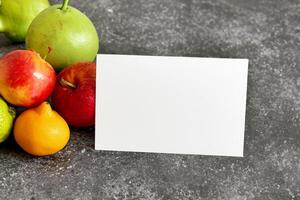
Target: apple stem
[[63, 82], [65, 5]]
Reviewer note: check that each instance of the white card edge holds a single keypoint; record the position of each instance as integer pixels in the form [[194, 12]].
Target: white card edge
[[98, 148]]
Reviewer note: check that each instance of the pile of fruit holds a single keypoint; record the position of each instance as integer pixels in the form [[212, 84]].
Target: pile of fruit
[[56, 66]]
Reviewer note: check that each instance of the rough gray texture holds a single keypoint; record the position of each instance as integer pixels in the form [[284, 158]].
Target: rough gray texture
[[267, 32]]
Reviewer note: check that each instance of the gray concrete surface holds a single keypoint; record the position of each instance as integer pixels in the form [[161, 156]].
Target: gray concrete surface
[[265, 31]]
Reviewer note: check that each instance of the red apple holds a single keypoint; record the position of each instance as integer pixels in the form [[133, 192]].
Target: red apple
[[25, 78], [74, 94]]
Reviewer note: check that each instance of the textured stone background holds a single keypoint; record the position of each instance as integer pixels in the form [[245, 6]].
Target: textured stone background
[[267, 32]]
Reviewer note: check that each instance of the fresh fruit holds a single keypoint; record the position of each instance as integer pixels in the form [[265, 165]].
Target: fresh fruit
[[41, 131], [74, 94], [16, 16], [7, 115], [63, 35], [25, 78]]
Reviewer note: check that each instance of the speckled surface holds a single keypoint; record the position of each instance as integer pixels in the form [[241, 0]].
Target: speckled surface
[[265, 31]]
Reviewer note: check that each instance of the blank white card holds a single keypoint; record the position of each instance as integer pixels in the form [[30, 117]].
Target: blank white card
[[171, 104]]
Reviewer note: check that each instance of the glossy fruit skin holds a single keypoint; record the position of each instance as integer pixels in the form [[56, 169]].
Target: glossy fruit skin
[[64, 37], [40, 131], [16, 16], [76, 105], [26, 79], [7, 115]]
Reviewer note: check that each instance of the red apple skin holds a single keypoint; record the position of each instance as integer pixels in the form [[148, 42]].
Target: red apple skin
[[76, 104], [26, 79]]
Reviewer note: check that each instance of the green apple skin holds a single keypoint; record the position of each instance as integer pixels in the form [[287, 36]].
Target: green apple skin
[[16, 16], [63, 37]]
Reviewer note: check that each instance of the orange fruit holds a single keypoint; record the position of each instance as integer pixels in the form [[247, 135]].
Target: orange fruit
[[41, 131]]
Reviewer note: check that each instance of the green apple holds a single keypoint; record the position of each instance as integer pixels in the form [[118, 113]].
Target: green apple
[[63, 35], [7, 115], [16, 16]]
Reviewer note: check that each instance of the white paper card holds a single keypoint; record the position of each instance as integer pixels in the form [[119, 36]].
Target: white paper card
[[171, 104]]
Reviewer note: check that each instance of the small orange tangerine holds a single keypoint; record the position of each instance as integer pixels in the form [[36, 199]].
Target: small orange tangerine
[[40, 131]]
